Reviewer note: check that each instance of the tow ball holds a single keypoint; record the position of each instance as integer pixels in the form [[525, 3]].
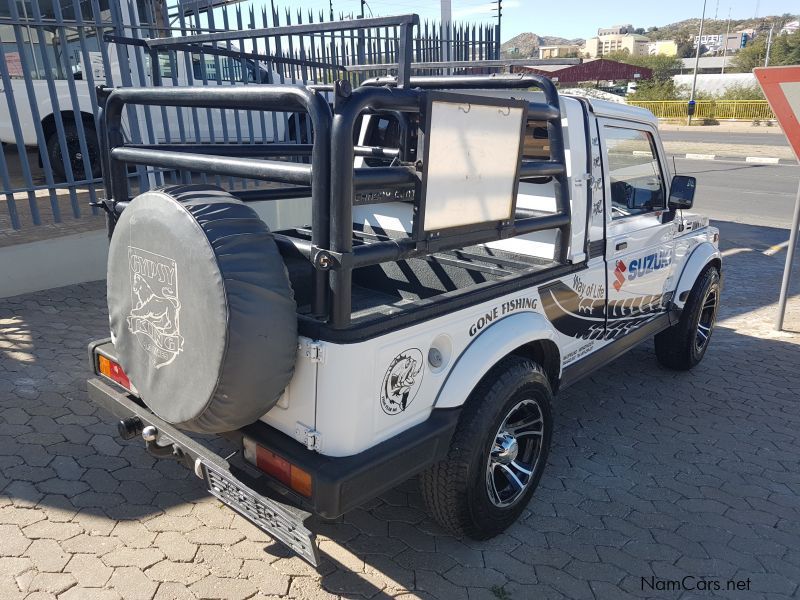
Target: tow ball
[[132, 426]]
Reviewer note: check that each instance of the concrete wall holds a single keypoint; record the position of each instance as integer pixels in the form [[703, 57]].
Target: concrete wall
[[79, 258], [714, 83], [53, 263]]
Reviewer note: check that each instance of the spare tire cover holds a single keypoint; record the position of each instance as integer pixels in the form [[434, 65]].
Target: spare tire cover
[[202, 314]]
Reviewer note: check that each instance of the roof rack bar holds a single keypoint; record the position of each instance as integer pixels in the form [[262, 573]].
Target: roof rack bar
[[401, 249], [244, 149], [272, 193], [454, 82], [369, 178], [307, 28], [250, 168], [546, 168], [466, 64]]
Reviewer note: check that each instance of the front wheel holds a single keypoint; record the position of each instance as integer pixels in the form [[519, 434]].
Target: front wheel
[[497, 454], [683, 345]]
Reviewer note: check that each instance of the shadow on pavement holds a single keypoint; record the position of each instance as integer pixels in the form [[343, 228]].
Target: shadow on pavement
[[653, 472]]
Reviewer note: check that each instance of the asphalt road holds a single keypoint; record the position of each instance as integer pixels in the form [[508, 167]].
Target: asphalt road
[[751, 204], [721, 137]]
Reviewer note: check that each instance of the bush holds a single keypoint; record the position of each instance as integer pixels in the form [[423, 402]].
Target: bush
[[654, 89], [740, 91]]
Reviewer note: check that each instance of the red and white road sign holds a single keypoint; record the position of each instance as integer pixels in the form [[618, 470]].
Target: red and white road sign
[[781, 86]]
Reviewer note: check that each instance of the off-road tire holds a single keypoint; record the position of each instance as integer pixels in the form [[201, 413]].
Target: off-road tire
[[455, 489], [676, 347]]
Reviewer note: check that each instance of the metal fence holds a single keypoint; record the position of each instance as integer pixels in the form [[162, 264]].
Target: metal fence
[[55, 52], [741, 110]]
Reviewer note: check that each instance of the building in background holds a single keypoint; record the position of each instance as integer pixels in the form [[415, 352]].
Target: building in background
[[732, 42], [663, 48], [601, 72], [707, 64], [715, 84], [560, 51], [615, 30], [790, 28], [599, 46]]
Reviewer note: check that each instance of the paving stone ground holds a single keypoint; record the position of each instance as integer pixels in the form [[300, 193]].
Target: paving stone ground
[[653, 474]]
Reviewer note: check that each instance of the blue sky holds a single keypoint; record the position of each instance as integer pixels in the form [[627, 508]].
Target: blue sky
[[578, 18]]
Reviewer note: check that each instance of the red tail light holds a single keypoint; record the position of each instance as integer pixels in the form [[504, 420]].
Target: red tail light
[[278, 467], [113, 371]]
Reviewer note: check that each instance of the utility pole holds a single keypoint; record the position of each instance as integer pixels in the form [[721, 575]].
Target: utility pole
[[696, 65], [725, 45], [159, 17], [499, 10], [446, 18], [769, 45]]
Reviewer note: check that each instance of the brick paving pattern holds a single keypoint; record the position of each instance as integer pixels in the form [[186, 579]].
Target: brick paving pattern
[[652, 474]]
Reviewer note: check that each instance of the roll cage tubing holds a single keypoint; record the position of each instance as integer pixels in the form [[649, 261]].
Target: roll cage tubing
[[332, 178]]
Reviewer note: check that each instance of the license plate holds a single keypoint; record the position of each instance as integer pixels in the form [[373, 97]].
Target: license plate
[[281, 522]]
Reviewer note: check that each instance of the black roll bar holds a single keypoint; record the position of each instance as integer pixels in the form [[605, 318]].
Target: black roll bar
[[342, 182], [280, 98], [333, 182]]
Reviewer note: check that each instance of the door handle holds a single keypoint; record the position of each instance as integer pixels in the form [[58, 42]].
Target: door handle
[[622, 245]]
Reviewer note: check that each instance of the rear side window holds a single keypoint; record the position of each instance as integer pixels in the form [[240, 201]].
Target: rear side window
[[637, 184], [536, 143]]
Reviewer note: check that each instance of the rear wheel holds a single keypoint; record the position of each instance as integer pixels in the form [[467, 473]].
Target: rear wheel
[[683, 345], [497, 454], [75, 156]]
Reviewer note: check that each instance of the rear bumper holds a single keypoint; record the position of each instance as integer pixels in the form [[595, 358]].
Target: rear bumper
[[339, 484]]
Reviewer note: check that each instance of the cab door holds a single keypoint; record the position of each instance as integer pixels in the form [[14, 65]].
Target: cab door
[[639, 228]]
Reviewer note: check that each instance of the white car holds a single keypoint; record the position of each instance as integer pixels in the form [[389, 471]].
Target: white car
[[36, 112]]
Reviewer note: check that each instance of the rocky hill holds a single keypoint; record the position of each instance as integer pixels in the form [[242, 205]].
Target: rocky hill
[[690, 27], [527, 44]]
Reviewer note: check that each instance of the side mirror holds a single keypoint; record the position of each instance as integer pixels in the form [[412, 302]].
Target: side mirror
[[681, 193]]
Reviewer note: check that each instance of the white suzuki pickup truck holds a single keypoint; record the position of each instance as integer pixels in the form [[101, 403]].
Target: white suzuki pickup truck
[[470, 246]]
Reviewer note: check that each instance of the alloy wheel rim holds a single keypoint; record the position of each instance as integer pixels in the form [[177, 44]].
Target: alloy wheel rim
[[705, 322], [515, 453]]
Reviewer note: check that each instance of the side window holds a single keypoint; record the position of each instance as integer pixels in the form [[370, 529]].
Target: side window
[[537, 144], [383, 131], [166, 65], [637, 185]]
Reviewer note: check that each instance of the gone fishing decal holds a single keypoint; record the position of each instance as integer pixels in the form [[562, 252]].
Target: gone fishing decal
[[402, 381], [582, 314], [154, 316]]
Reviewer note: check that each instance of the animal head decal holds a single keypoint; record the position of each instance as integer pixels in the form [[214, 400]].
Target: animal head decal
[[154, 316]]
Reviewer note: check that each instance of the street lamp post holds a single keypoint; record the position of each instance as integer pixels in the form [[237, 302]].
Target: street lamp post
[[725, 44], [769, 45], [696, 64]]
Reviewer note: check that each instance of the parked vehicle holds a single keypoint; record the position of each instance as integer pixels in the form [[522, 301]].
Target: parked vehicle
[[39, 101], [471, 248]]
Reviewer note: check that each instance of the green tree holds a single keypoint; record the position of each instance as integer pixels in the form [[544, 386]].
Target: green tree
[[739, 91], [685, 45], [785, 51], [663, 67], [655, 89]]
